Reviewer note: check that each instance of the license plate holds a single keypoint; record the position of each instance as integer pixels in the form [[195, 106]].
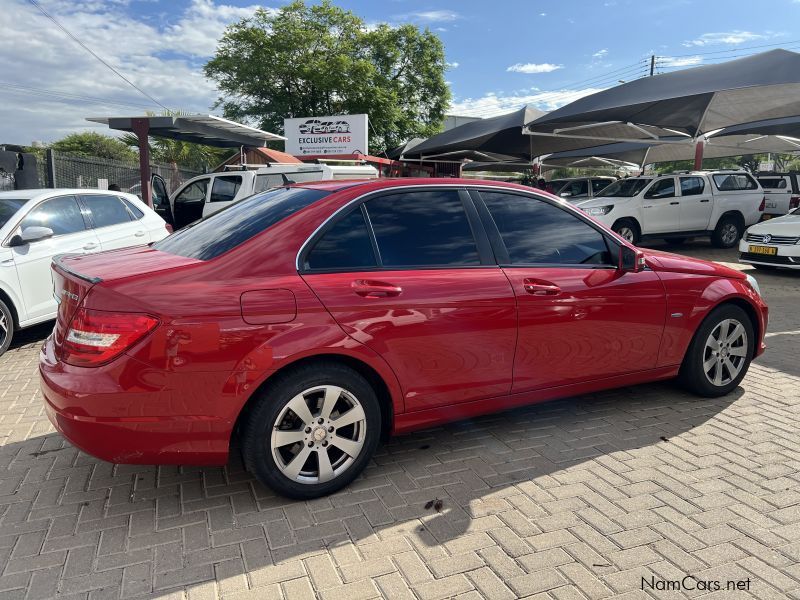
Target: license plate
[[763, 250]]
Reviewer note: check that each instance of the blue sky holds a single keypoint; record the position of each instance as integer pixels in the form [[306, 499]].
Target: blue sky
[[503, 54]]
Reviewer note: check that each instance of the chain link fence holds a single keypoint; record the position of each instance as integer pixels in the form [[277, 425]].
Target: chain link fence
[[67, 171]]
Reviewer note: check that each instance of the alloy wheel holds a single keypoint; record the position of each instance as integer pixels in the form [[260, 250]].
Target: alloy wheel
[[729, 233], [3, 328], [626, 233], [318, 434], [725, 352]]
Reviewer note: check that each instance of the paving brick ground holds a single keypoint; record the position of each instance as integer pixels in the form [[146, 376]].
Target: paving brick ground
[[580, 498]]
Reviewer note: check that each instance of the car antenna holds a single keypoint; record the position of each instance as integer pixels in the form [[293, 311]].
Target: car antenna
[[286, 180]]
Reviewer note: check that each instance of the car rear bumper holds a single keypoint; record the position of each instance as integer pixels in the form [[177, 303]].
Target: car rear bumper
[[90, 408]]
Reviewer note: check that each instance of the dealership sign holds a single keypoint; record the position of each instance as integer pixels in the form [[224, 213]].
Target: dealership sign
[[338, 134]]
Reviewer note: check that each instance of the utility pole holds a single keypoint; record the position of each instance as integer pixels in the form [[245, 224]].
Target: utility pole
[[652, 64]]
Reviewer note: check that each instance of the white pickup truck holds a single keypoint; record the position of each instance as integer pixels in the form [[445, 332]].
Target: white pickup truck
[[782, 193], [206, 194], [718, 204]]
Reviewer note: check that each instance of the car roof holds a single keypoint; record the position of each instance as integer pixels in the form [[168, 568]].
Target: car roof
[[369, 185], [51, 191]]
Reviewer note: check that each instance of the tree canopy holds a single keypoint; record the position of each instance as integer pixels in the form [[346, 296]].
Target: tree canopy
[[312, 60], [91, 143]]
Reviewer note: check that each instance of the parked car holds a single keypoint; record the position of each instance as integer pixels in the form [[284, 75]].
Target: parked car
[[717, 204], [305, 323], [781, 191], [773, 243], [204, 195], [341, 127], [577, 189], [310, 126], [35, 225]]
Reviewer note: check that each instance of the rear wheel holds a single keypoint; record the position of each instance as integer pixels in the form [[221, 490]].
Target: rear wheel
[[312, 431], [727, 233], [627, 229], [6, 327], [720, 352]]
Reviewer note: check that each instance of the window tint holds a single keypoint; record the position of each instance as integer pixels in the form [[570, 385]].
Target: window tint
[[106, 210], [426, 228], [692, 186], [663, 188], [225, 187], [575, 189], [135, 210], [729, 182], [9, 207], [237, 223], [599, 184], [346, 245], [62, 215], [535, 232], [773, 184], [196, 192]]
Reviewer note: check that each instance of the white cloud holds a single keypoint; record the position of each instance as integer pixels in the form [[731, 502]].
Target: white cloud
[[429, 16], [679, 61], [600, 53], [453, 65], [494, 103], [164, 61], [533, 68], [728, 37]]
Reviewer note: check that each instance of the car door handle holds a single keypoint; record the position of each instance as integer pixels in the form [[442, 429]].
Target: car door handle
[[540, 288], [9, 262], [139, 233], [648, 206], [704, 200], [673, 203], [90, 246], [375, 289]]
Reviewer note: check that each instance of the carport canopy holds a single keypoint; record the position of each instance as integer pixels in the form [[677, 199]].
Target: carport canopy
[[199, 129]]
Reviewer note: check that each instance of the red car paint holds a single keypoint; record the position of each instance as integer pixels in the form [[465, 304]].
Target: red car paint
[[455, 344]]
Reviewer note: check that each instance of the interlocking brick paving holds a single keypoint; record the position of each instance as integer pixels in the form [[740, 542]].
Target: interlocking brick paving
[[579, 498]]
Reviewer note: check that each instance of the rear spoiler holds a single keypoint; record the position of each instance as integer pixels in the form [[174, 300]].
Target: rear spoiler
[[58, 261]]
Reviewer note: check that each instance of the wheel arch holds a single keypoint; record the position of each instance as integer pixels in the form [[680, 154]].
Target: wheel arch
[[9, 302], [735, 213], [382, 389]]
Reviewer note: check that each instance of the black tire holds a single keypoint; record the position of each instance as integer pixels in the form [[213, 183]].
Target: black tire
[[7, 326], [257, 430], [722, 236], [623, 226], [692, 375], [675, 241]]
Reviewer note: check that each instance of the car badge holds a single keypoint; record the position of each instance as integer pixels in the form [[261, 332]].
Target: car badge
[[767, 239]]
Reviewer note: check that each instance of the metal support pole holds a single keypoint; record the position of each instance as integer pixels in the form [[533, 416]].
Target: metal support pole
[[698, 156], [51, 167], [652, 64], [141, 127]]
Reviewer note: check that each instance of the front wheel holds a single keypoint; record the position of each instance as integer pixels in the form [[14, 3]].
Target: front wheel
[[6, 327], [720, 352], [727, 233], [312, 431], [628, 230]]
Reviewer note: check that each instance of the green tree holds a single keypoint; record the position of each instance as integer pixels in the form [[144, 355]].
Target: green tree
[[91, 143], [306, 60]]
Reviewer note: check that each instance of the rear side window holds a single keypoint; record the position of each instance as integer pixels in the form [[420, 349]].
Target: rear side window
[[135, 210], [692, 186], [423, 229], [535, 232], [346, 245], [62, 215], [106, 210], [730, 182], [225, 188], [773, 183], [237, 223]]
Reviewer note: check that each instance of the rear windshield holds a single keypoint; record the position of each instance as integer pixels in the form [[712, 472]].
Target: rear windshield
[[774, 183], [8, 208], [237, 223], [624, 188], [734, 181]]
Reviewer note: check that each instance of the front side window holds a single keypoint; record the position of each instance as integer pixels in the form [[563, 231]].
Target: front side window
[[106, 210], [225, 188], [599, 184], [536, 232], [730, 182], [692, 186], [62, 215], [422, 228], [195, 192], [237, 223], [346, 246], [625, 188], [9, 207], [575, 189], [663, 188]]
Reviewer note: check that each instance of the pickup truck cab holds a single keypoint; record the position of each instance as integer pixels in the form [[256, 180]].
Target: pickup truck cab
[[577, 189], [717, 204], [204, 195], [781, 191]]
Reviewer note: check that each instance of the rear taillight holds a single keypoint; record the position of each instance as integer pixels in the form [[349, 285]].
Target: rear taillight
[[763, 204], [794, 202], [168, 227], [96, 337]]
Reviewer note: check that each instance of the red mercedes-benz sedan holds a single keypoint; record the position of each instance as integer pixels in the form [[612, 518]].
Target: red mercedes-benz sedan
[[304, 323]]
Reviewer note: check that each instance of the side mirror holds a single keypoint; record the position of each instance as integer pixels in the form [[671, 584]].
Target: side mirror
[[631, 259], [30, 235]]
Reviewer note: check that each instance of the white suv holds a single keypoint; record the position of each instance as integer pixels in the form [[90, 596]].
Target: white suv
[[36, 225], [719, 204]]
